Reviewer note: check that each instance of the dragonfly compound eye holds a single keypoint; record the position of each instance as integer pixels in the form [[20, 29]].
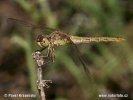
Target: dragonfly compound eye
[[40, 38]]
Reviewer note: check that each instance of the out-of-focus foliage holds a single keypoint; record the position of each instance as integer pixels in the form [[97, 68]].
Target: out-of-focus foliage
[[110, 64]]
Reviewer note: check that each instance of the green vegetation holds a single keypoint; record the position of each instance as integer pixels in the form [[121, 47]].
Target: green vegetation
[[110, 61]]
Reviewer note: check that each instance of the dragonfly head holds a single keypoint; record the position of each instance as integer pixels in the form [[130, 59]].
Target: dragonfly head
[[42, 41]]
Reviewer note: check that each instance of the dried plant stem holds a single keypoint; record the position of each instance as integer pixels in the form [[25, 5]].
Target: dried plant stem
[[41, 84]]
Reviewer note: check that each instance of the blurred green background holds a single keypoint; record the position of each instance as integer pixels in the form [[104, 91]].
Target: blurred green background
[[110, 64]]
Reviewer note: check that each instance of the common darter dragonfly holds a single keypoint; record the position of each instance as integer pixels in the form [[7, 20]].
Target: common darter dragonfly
[[58, 38]]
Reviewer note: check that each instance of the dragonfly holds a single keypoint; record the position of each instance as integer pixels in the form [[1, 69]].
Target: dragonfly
[[58, 38]]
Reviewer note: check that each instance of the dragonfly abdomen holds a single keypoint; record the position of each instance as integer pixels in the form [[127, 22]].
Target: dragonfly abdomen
[[78, 40]]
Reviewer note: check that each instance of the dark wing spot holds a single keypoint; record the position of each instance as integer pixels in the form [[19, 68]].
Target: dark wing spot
[[39, 38]]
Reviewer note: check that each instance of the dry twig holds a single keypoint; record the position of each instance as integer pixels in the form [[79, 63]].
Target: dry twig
[[41, 84]]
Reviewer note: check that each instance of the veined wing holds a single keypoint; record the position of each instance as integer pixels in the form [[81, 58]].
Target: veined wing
[[21, 25], [81, 60]]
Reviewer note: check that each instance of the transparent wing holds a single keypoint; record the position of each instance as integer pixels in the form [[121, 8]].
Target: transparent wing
[[24, 27], [81, 60]]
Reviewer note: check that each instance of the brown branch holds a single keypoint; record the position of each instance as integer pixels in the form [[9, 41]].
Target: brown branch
[[41, 84]]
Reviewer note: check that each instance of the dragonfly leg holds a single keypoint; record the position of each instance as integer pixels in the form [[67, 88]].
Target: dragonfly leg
[[47, 55], [51, 52], [40, 50]]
